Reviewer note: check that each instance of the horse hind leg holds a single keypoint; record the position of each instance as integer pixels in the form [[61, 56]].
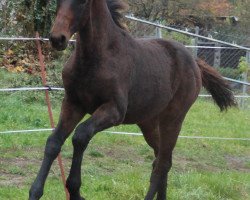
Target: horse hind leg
[[169, 135], [150, 130], [169, 132]]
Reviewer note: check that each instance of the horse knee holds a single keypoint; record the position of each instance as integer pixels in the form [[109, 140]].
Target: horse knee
[[81, 139], [168, 165], [160, 171], [165, 167], [53, 146], [162, 165]]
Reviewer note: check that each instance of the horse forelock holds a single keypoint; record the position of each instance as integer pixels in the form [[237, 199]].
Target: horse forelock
[[116, 8]]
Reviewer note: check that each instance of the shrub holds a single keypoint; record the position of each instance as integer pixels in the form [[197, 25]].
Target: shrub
[[230, 72]]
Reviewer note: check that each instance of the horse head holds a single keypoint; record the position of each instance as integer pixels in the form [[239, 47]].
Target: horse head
[[71, 15]]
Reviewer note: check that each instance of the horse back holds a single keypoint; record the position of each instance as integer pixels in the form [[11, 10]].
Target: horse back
[[160, 69]]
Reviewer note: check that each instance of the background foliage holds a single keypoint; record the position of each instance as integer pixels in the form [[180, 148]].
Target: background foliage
[[25, 16], [214, 18], [213, 170]]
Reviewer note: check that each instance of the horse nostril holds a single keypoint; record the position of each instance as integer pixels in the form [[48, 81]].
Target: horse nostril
[[58, 41], [63, 39], [52, 39]]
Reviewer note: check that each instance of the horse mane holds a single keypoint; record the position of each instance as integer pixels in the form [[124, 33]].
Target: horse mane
[[116, 8]]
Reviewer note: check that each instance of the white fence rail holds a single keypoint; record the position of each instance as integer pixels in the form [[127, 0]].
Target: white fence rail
[[124, 133], [131, 17]]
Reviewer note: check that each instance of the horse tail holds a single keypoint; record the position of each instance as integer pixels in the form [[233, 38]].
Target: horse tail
[[216, 86]]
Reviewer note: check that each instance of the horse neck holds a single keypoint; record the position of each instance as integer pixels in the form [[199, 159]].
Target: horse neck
[[99, 31]]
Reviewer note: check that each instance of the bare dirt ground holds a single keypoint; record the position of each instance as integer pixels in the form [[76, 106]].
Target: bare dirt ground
[[20, 170]]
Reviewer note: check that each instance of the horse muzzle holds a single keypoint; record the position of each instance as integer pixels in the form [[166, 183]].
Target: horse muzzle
[[59, 42]]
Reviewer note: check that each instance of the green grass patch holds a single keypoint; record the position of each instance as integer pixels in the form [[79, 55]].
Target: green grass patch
[[119, 166]]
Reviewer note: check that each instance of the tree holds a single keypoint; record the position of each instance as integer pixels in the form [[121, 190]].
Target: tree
[[241, 10], [174, 11], [44, 12], [149, 9], [26, 16]]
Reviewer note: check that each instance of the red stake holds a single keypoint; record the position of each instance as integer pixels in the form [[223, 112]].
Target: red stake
[[47, 98]]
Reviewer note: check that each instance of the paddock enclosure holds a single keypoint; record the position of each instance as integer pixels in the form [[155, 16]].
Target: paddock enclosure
[[22, 146]]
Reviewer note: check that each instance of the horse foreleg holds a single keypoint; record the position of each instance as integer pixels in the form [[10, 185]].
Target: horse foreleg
[[69, 118], [104, 117]]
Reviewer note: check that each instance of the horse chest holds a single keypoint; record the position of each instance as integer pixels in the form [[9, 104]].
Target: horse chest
[[89, 91]]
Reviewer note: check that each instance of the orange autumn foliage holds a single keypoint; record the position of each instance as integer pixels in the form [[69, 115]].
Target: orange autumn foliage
[[216, 7]]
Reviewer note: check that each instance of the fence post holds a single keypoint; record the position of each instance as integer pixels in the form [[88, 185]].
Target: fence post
[[158, 31], [194, 42], [217, 55], [244, 76]]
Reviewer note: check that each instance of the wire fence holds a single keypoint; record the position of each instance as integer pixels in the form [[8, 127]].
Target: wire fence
[[200, 46], [217, 53], [49, 88], [195, 46], [230, 59], [124, 133], [219, 56]]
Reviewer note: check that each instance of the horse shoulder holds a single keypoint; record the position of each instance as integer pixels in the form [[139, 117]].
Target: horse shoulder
[[68, 67]]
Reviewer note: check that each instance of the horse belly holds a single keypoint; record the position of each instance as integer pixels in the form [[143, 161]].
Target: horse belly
[[144, 112], [146, 103]]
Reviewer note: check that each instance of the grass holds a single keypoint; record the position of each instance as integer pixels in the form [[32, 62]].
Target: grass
[[118, 166]]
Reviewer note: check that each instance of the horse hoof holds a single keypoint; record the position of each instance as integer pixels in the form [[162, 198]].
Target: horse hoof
[[79, 198]]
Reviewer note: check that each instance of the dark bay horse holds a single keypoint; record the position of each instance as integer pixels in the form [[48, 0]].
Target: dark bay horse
[[122, 80]]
